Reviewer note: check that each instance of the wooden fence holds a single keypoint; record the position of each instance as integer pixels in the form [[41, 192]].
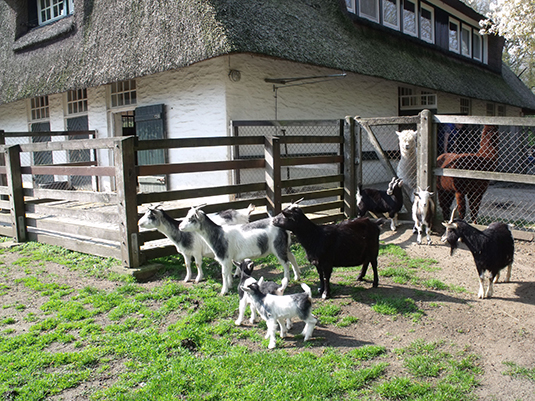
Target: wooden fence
[[105, 223]]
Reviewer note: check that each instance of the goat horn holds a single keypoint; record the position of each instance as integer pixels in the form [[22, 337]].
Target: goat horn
[[453, 214], [298, 201]]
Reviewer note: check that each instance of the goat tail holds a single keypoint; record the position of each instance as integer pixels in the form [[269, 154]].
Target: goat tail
[[307, 289]]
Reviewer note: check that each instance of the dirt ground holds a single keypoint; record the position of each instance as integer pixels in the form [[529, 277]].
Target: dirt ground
[[498, 329]]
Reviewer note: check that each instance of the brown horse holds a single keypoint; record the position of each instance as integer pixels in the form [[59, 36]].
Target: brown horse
[[450, 188]]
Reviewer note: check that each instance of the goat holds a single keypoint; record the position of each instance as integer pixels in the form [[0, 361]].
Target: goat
[[423, 211], [251, 240], [189, 244], [376, 201], [406, 169], [493, 249], [349, 243], [266, 287], [274, 309], [450, 188]]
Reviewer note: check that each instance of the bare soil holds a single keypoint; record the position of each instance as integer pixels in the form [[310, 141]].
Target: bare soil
[[498, 329]]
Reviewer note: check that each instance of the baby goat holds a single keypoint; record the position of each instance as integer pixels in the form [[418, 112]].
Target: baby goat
[[274, 309], [423, 211], [493, 249], [189, 244], [349, 243], [266, 287], [252, 240], [376, 201]]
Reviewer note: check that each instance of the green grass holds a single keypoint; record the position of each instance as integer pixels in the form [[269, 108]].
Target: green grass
[[517, 371], [167, 340]]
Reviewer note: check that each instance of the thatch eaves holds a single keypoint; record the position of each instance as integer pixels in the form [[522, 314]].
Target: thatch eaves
[[125, 39]]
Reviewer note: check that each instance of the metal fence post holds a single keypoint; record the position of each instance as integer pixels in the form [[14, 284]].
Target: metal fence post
[[350, 180], [16, 198], [126, 179], [272, 151]]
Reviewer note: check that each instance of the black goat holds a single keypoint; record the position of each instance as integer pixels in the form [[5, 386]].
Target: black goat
[[377, 201], [493, 249], [349, 243]]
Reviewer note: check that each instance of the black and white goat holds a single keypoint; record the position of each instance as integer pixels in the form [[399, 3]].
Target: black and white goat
[[423, 211], [266, 287], [493, 249], [252, 240], [189, 245], [275, 309], [376, 201], [349, 243]]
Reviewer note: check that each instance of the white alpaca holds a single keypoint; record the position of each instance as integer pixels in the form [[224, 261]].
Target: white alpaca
[[407, 164]]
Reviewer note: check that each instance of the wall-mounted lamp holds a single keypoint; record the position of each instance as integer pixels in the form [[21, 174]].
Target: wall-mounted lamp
[[234, 75]]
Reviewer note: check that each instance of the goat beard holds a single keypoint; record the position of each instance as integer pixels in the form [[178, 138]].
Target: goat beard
[[453, 244]]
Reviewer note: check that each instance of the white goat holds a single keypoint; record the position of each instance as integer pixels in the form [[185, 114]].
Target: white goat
[[252, 240], [423, 211], [189, 244], [274, 309], [406, 169]]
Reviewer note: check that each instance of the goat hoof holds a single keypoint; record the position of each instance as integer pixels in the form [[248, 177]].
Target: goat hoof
[[237, 322]]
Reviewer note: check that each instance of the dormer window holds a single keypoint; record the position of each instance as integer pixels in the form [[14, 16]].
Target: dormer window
[[454, 43], [51, 10], [369, 9], [391, 13], [466, 41], [427, 23], [410, 22]]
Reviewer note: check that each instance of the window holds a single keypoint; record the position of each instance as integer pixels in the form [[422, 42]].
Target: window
[[369, 9], [123, 93], [454, 36], [500, 112], [350, 4], [491, 109], [39, 108], [391, 13], [51, 10], [466, 106], [427, 23], [477, 46], [410, 25], [77, 101], [413, 99], [466, 41], [428, 99], [406, 98]]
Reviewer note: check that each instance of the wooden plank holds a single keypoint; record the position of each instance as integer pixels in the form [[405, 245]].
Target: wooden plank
[[158, 252], [199, 142], [322, 206], [75, 144], [198, 167], [75, 196], [47, 133], [76, 245], [388, 120], [16, 198], [179, 213], [4, 204], [272, 154], [90, 214], [310, 160], [6, 231], [304, 139], [4, 190], [349, 170], [322, 193], [96, 171], [284, 123], [486, 175], [76, 229], [300, 182], [517, 234], [6, 219], [484, 120], [330, 218], [198, 192]]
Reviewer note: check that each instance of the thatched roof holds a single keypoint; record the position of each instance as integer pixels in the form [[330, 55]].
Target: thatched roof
[[102, 43]]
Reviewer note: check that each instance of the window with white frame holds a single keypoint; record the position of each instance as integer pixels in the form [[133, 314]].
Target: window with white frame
[[466, 106], [350, 5], [491, 109], [428, 99], [410, 21], [407, 99], [466, 41], [454, 44], [51, 10], [427, 23], [77, 101], [123, 93], [477, 46], [369, 9], [391, 13], [39, 109], [500, 110]]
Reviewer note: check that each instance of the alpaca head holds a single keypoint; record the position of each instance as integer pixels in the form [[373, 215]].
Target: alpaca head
[[407, 140]]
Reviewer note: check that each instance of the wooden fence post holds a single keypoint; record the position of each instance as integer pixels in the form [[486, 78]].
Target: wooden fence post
[[16, 198], [426, 155], [126, 179], [272, 151], [350, 180]]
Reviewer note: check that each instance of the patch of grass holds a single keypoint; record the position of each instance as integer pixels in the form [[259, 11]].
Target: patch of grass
[[327, 313], [396, 306], [518, 371]]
